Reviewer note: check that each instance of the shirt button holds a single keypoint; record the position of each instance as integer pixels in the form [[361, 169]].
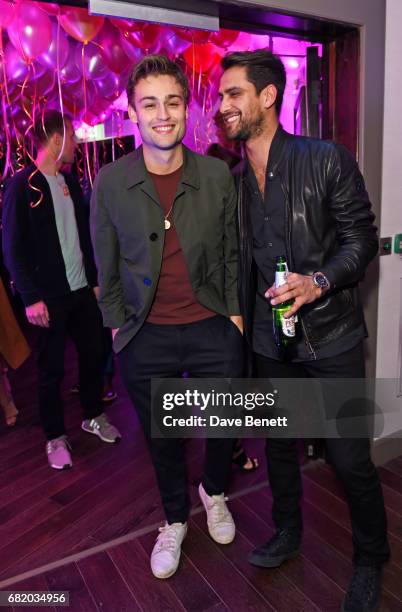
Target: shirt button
[[147, 281], [153, 236]]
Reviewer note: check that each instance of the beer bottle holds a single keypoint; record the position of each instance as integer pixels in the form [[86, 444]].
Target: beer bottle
[[284, 330]]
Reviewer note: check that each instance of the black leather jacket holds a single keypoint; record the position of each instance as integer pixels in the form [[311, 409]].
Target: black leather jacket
[[328, 227]]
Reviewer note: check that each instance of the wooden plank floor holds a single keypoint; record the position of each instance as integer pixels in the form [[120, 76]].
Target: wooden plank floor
[[90, 530]]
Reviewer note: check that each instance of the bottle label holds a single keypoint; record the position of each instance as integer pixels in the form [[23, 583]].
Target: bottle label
[[288, 326], [280, 278]]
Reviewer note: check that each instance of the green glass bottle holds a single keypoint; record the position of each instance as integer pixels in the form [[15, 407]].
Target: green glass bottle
[[284, 330]]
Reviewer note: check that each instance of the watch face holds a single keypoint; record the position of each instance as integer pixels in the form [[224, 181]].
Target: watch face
[[321, 281]]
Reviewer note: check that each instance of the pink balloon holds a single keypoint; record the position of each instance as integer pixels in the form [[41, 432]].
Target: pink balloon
[[50, 8], [7, 12], [133, 52], [93, 65], [30, 31], [49, 57], [110, 87], [80, 24], [111, 49], [16, 68]]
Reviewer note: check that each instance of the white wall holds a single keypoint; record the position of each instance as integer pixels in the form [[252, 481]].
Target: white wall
[[390, 283]]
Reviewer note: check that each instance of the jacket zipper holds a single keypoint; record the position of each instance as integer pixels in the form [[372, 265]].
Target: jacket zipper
[[290, 259]]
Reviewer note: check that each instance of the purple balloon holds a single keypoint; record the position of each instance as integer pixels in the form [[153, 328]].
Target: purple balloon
[[110, 87], [70, 73], [75, 95], [133, 52], [174, 44], [94, 66], [16, 68], [49, 58]]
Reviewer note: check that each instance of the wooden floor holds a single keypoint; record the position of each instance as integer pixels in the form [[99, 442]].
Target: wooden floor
[[90, 530]]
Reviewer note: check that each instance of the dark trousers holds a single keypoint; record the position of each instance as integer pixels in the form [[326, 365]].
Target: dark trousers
[[77, 315], [212, 348], [350, 459]]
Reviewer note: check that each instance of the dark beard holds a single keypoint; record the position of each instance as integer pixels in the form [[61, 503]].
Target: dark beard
[[247, 129]]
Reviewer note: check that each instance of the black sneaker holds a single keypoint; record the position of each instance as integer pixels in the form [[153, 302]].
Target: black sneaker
[[285, 544], [363, 594]]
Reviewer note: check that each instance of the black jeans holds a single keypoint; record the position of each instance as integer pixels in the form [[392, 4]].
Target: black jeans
[[350, 459], [212, 348], [77, 315]]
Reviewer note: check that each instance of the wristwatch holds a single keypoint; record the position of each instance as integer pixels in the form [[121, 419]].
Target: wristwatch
[[321, 281]]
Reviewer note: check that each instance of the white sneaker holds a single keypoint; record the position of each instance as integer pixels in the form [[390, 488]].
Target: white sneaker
[[58, 453], [165, 556], [220, 522]]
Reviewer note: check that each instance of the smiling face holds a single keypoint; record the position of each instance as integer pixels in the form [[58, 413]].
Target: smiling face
[[160, 111], [244, 112]]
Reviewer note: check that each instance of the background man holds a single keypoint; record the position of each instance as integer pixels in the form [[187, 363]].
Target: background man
[[305, 199], [48, 253], [164, 232]]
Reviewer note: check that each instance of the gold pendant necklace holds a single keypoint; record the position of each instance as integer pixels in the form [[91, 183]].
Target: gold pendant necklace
[[168, 224]]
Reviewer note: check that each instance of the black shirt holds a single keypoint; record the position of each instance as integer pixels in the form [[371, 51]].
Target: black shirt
[[267, 218]]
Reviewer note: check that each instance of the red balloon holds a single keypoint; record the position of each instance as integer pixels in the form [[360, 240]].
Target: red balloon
[[193, 36], [126, 25], [201, 57], [111, 49], [80, 24], [147, 38], [30, 31], [224, 38]]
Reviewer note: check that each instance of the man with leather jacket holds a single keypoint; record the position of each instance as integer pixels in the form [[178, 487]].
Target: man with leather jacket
[[305, 199]]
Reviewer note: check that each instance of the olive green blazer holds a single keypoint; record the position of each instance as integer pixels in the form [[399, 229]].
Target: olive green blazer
[[127, 226]]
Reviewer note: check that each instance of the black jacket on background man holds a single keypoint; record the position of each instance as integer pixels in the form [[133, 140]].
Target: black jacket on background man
[[328, 228], [31, 246]]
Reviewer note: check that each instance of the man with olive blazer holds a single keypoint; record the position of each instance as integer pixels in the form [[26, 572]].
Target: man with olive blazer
[[165, 240]]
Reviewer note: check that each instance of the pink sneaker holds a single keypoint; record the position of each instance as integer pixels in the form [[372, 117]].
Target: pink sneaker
[[58, 453]]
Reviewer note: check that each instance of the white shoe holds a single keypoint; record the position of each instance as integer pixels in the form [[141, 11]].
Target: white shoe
[[220, 522], [165, 556], [58, 453]]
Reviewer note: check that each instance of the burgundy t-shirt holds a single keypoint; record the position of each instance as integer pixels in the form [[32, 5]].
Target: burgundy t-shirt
[[174, 300]]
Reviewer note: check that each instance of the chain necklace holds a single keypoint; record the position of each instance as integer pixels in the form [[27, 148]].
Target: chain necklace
[[168, 224]]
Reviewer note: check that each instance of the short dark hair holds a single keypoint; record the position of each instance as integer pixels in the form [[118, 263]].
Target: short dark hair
[[263, 68], [46, 124], [155, 65]]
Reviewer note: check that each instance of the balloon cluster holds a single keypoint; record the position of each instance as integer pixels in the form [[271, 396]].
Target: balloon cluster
[[62, 57]]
